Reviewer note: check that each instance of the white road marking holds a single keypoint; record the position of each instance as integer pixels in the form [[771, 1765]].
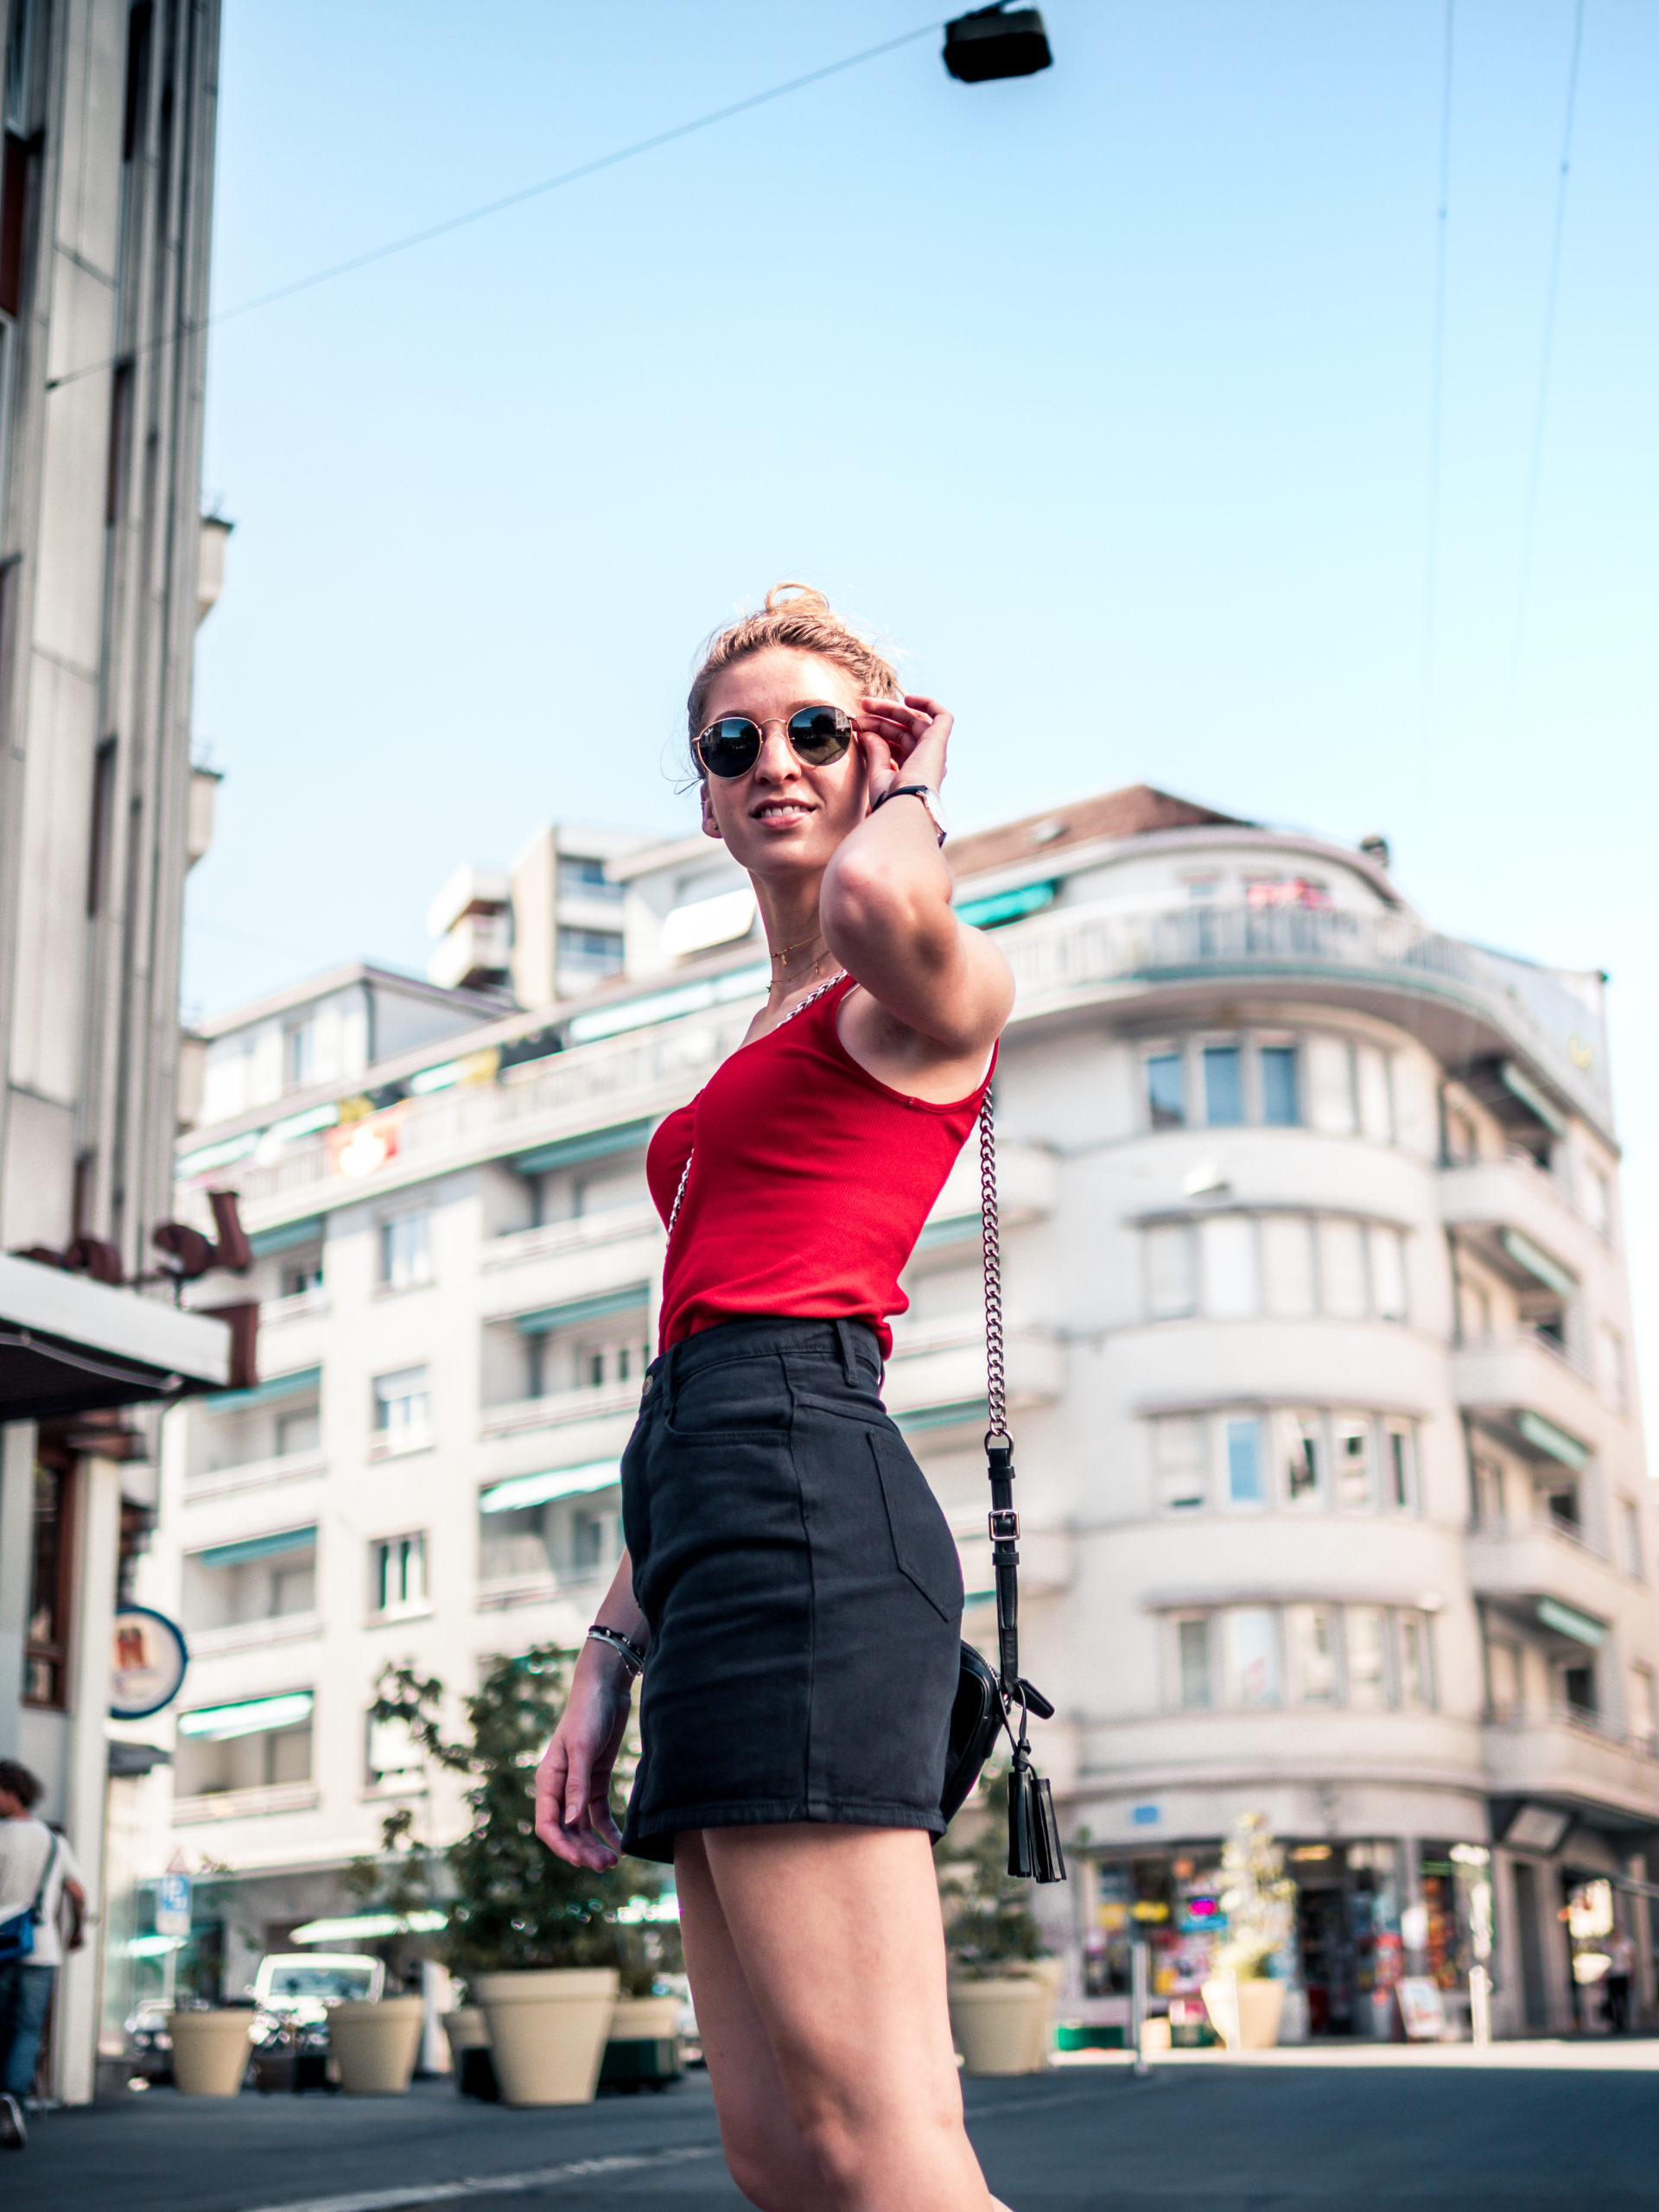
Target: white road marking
[[450, 2192]]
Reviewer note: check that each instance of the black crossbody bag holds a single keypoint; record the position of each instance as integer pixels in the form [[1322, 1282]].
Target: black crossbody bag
[[986, 1696]]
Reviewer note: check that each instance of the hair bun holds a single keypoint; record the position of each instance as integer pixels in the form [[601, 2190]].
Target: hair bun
[[802, 600]]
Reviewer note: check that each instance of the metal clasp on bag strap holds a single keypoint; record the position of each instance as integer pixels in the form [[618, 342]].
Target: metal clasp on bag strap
[[1004, 1523]]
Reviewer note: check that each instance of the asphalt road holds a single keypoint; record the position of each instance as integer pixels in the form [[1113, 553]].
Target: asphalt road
[[1218, 2138]]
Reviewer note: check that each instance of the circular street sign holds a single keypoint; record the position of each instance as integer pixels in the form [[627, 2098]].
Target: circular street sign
[[148, 1657]]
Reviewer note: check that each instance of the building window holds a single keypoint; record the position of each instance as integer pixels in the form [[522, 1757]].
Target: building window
[[1367, 1674], [597, 951], [1304, 1459], [298, 1433], [256, 1743], [1172, 1286], [402, 1410], [272, 1577], [397, 1575], [1231, 1287], [1178, 1456], [1193, 1660], [1312, 1636], [1352, 1435], [1599, 1202], [1576, 1681], [1252, 1640], [1244, 1483], [1224, 1086], [46, 1649], [1289, 1290], [1330, 1086], [1416, 1682], [1373, 1089], [394, 1757], [300, 1055], [1167, 1090], [406, 1251], [1630, 1537], [1610, 1366], [1342, 1269], [1388, 1255], [1400, 1456], [580, 876], [1487, 1476], [1281, 1100], [1644, 1709], [1462, 1147], [298, 1277], [1502, 1678]]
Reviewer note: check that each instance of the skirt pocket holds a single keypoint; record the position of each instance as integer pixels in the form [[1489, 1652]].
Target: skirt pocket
[[922, 1543]]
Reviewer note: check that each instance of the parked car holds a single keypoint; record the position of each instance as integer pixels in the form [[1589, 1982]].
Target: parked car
[[292, 1994]]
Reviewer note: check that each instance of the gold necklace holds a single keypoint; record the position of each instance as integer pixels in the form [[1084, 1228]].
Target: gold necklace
[[781, 956]]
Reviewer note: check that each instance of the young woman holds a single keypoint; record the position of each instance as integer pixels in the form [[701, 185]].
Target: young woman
[[789, 1573]]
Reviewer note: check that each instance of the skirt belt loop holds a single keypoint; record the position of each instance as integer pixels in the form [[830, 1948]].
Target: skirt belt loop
[[849, 1359]]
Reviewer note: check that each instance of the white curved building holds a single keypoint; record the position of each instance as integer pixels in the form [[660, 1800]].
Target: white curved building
[[1331, 1473]]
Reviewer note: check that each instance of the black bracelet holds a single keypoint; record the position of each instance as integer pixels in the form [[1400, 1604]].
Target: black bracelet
[[624, 1646]]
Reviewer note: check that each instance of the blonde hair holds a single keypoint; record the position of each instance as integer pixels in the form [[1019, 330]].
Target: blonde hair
[[804, 622]]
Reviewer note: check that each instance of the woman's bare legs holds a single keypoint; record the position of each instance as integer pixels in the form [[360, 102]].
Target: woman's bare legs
[[816, 1959]]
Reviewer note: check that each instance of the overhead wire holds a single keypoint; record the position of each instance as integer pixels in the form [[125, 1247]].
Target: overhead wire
[[424, 237], [1437, 363], [1552, 294]]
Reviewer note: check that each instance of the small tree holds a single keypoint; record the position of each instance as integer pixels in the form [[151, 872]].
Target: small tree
[[989, 1929], [516, 1904], [1257, 1897]]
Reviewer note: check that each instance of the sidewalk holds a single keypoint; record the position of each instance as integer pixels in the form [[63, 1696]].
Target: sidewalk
[[1591, 2054]]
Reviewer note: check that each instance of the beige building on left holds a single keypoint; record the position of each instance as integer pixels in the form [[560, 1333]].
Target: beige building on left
[[105, 569]]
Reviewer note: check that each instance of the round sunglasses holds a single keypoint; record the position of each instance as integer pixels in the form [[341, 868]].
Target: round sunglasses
[[817, 735]]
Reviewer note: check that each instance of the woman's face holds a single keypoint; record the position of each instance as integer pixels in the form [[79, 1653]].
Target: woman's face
[[782, 816]]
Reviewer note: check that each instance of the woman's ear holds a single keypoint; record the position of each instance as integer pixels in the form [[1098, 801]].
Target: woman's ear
[[711, 827]]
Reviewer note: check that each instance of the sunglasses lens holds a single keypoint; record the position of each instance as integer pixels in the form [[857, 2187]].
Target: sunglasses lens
[[820, 734], [729, 747]]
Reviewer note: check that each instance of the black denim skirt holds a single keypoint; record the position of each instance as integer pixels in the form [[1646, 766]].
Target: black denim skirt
[[802, 1588]]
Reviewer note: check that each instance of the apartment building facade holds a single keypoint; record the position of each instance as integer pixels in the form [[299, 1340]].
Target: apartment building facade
[[105, 569], [1331, 1476]]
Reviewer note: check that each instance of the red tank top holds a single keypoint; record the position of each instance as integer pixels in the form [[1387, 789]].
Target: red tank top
[[810, 1185]]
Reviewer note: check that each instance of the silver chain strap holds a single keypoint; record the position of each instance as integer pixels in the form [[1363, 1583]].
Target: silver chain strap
[[685, 1172], [996, 1395]]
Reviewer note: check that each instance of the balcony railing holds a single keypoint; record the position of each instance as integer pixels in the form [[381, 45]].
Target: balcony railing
[[1056, 956], [558, 1409], [246, 1805], [249, 1636], [252, 1474], [553, 1239]]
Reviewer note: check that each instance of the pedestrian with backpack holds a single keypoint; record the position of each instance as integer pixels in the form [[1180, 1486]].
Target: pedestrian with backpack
[[37, 1873]]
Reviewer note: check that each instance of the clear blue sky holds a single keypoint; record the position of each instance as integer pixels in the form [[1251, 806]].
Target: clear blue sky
[[1106, 395]]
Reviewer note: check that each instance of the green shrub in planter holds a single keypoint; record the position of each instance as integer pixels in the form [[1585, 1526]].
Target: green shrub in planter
[[989, 1930]]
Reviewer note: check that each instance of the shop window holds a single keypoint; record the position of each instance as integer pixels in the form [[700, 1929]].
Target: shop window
[[1342, 1269], [1416, 1672], [1356, 1480], [397, 1575], [406, 1251], [1311, 1634], [1252, 1639], [1502, 1678], [1280, 1093], [1230, 1288], [1367, 1643], [1167, 1090], [1399, 1465], [46, 1649], [1193, 1660], [1304, 1458], [1287, 1287], [1178, 1455], [402, 1411], [1243, 1445], [1224, 1086], [1170, 1274]]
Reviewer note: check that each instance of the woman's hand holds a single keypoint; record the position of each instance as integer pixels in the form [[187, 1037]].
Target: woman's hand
[[573, 1782], [903, 741]]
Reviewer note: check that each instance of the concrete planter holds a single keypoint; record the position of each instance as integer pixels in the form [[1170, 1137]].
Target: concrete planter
[[210, 2050], [1002, 2026], [644, 2019], [375, 2046], [548, 2031], [467, 2029], [1245, 2014]]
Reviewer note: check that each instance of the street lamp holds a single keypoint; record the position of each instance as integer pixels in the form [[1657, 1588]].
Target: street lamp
[[995, 42]]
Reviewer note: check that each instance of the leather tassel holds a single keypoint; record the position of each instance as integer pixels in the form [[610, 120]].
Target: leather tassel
[[1034, 1853]]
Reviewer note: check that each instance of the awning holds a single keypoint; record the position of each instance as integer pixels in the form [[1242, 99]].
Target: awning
[[68, 1344], [592, 1144], [519, 1490], [1567, 1620], [298, 1383], [252, 1548], [253, 1716], [1554, 1443], [596, 1308]]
